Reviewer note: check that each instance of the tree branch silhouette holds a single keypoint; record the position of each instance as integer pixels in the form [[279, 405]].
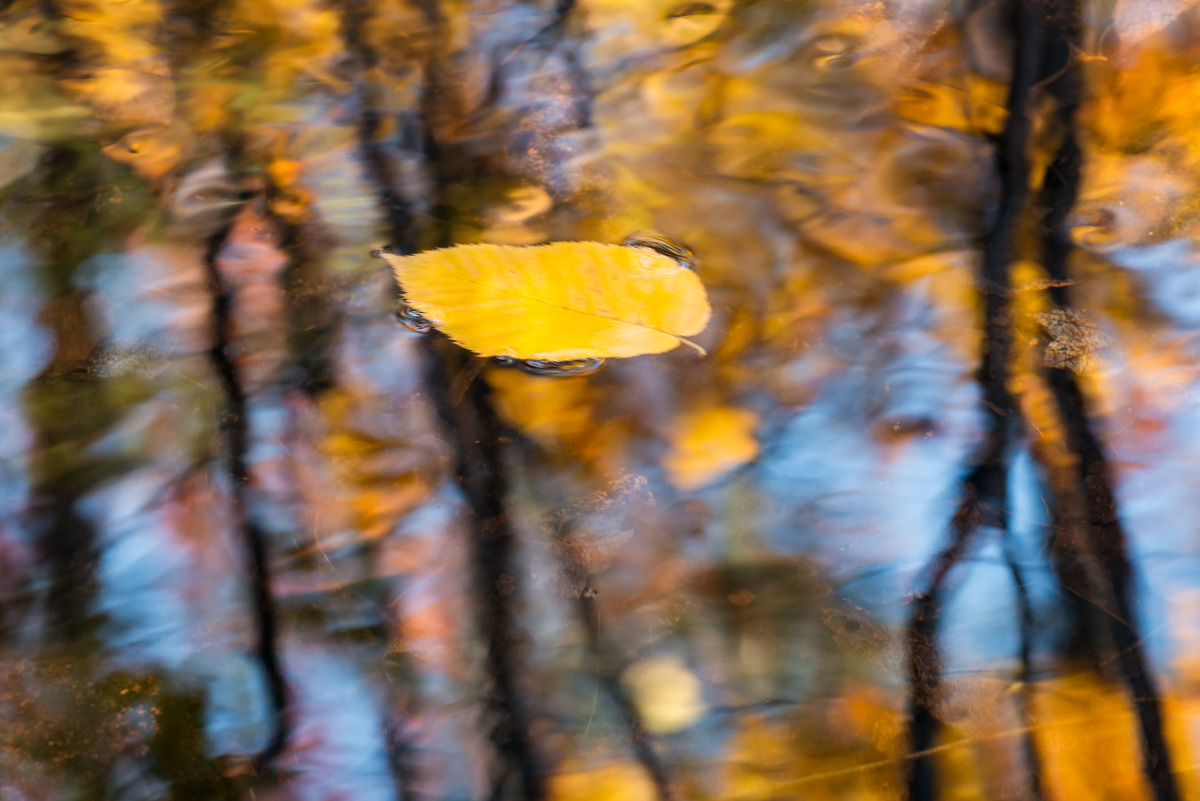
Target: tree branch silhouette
[[1102, 537], [475, 434], [985, 487], [608, 677], [233, 425]]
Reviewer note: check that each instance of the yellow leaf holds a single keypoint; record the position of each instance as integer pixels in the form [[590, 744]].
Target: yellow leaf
[[757, 757], [550, 412], [708, 443], [151, 151], [141, 96], [665, 692], [565, 300], [616, 781], [1087, 739]]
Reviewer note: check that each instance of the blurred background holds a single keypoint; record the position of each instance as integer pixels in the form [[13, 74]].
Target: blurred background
[[257, 540]]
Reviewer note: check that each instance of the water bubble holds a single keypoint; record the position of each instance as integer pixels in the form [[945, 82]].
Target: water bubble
[[411, 319], [562, 369], [661, 244]]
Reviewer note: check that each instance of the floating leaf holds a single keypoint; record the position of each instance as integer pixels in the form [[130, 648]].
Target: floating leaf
[[565, 300], [1073, 339], [588, 535]]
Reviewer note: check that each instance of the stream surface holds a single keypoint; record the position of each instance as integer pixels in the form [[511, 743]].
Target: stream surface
[[261, 540]]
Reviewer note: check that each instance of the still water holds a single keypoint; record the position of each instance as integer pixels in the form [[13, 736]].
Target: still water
[[913, 518]]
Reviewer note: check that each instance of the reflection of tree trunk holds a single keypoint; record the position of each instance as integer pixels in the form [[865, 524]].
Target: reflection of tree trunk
[[1025, 699], [397, 212], [985, 501], [1089, 548], [608, 676], [1102, 547], [463, 399], [67, 546], [312, 317], [474, 432], [234, 425], [1101, 543], [66, 406]]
